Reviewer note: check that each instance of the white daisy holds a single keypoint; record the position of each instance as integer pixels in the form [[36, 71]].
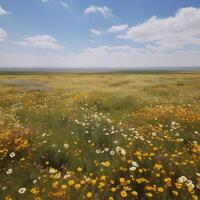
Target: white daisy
[[22, 190], [12, 155]]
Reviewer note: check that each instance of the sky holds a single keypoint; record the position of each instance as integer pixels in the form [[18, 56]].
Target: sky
[[99, 33]]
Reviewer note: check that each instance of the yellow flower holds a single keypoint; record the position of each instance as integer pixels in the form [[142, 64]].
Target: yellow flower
[[122, 180], [79, 169], [82, 182], [142, 180], [113, 189], [55, 184], [106, 164], [110, 198], [168, 181], [8, 198], [134, 193], [175, 193], [35, 190], [101, 184], [148, 194], [195, 197], [89, 195], [123, 194], [93, 181], [140, 170], [178, 185], [63, 187], [103, 178], [157, 175], [190, 189], [157, 166], [112, 182], [71, 182], [77, 186], [160, 189]]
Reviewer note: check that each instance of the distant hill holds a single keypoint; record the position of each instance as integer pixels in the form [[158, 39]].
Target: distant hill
[[101, 70]]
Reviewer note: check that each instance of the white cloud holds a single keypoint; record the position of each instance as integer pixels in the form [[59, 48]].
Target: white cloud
[[3, 11], [168, 33], [64, 4], [105, 11], [118, 28], [3, 35], [112, 49], [102, 57], [40, 41], [44, 1], [95, 32]]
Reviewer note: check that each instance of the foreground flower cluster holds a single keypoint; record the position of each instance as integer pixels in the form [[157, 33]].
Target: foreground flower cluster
[[74, 149]]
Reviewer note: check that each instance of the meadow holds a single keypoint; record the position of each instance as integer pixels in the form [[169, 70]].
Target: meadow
[[101, 136]]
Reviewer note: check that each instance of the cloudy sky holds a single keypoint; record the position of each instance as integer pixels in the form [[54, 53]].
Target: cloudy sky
[[99, 33]]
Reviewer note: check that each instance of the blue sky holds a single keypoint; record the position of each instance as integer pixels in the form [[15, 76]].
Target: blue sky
[[99, 33]]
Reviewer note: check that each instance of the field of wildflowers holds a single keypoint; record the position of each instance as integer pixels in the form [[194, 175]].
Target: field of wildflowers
[[100, 137]]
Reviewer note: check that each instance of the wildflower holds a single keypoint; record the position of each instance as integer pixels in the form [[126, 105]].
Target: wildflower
[[198, 174], [148, 194], [22, 190], [121, 150], [106, 149], [63, 187], [55, 184], [135, 164], [44, 134], [93, 181], [4, 188], [112, 153], [77, 186], [110, 198], [101, 184], [79, 169], [175, 193], [89, 195], [195, 197], [66, 146], [35, 190], [122, 180], [157, 166], [154, 134], [141, 180], [12, 155], [34, 181], [113, 189], [53, 171], [168, 181], [71, 182], [132, 168], [8, 198], [182, 179], [157, 175], [178, 185], [134, 193], [9, 171], [123, 194], [57, 176], [98, 151], [160, 189], [82, 182], [106, 164]]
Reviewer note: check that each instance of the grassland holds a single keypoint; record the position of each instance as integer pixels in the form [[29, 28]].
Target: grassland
[[100, 136]]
